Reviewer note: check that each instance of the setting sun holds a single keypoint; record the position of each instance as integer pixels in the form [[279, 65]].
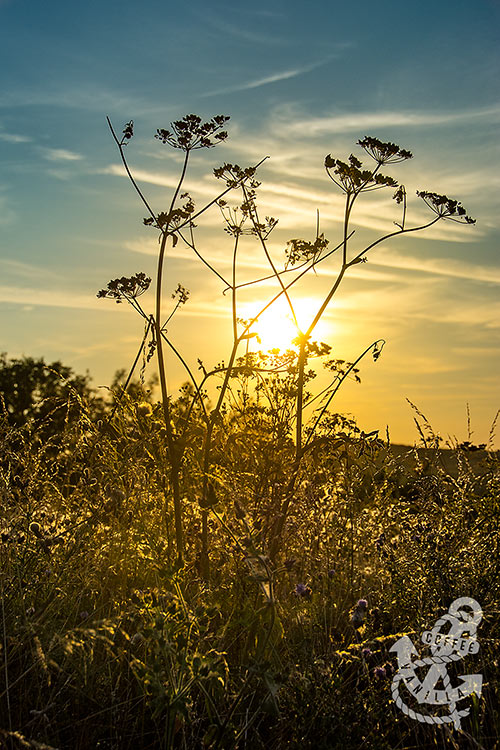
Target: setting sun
[[276, 328]]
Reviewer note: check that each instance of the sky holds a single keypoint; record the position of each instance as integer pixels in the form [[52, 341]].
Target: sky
[[299, 81]]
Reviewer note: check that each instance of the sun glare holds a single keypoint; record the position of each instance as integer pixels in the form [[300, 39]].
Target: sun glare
[[276, 328]]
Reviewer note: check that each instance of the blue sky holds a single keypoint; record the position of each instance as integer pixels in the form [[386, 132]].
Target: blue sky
[[299, 80]]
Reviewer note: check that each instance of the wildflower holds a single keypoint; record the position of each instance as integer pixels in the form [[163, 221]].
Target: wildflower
[[384, 152], [379, 673], [126, 287], [235, 176], [299, 250], [445, 208], [301, 589], [191, 133], [331, 573], [366, 652], [359, 613], [351, 178], [181, 293]]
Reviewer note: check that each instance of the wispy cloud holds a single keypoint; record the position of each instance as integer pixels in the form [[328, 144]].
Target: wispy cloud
[[242, 31], [60, 154], [425, 365], [220, 260], [14, 137], [273, 78], [359, 121], [19, 269], [47, 298], [89, 97], [401, 306], [156, 178], [438, 267], [476, 313]]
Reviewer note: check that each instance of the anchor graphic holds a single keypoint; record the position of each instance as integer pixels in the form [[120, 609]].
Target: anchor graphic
[[459, 641]]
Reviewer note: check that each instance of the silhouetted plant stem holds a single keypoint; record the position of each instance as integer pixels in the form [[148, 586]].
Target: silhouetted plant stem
[[374, 345], [205, 561], [127, 169], [392, 234], [192, 245], [186, 367], [300, 396], [214, 416], [279, 524], [174, 466], [234, 291], [302, 359], [255, 221], [172, 448]]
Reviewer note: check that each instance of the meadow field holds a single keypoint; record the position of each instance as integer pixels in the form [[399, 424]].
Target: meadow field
[[108, 641]]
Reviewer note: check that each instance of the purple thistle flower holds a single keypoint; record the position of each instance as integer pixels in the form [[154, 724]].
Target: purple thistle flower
[[379, 673], [366, 652], [301, 589]]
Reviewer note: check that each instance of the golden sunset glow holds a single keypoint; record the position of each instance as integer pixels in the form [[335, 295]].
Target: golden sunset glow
[[276, 328]]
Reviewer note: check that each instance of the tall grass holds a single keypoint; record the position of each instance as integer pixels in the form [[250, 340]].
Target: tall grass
[[107, 643]]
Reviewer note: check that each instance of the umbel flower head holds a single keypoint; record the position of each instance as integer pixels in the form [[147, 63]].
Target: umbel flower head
[[191, 133], [236, 176], [299, 250], [384, 152], [352, 178], [445, 207], [126, 287]]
